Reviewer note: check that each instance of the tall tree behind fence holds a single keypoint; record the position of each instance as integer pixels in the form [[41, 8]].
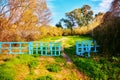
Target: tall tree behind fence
[[107, 33]]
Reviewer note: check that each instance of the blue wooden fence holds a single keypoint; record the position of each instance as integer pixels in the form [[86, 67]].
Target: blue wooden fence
[[47, 49], [86, 47], [42, 48], [15, 47]]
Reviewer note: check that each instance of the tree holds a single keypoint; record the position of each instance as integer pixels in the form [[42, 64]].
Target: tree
[[78, 17], [81, 16], [43, 13], [59, 25], [86, 16], [69, 23], [107, 33], [98, 17], [24, 15]]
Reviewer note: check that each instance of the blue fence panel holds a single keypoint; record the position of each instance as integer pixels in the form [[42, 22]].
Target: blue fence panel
[[55, 48], [15, 47], [86, 47], [42, 48], [47, 49]]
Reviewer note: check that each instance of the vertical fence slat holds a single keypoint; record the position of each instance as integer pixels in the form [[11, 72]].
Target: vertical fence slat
[[55, 49], [51, 53], [36, 48], [59, 49], [30, 48], [0, 47], [20, 45], [10, 48], [41, 48], [95, 46], [46, 45]]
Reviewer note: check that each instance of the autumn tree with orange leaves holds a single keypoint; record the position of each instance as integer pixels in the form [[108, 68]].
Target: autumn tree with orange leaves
[[19, 19]]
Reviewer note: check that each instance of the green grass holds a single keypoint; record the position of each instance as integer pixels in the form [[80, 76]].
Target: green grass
[[95, 67], [53, 67], [47, 77], [59, 59], [50, 39], [8, 70]]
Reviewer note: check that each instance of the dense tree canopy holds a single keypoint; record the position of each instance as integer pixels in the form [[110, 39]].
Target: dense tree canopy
[[107, 33], [22, 16], [78, 17]]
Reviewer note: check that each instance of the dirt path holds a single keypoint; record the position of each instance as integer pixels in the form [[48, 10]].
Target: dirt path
[[80, 75], [68, 60]]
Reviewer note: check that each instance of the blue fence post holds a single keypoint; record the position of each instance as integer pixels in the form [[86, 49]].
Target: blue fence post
[[82, 49], [30, 48], [51, 52], [36, 48], [95, 46], [46, 48], [59, 48], [89, 48], [20, 45], [0, 47], [41, 48], [10, 48], [55, 48]]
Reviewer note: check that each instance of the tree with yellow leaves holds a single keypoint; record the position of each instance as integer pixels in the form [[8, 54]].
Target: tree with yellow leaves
[[24, 15]]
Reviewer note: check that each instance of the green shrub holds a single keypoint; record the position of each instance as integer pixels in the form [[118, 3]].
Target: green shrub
[[47, 77], [106, 34], [7, 59], [33, 64], [59, 59], [36, 55], [7, 73], [53, 67], [25, 59], [29, 78], [102, 60], [115, 59]]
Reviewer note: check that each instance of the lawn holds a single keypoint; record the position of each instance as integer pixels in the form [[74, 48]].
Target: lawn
[[35, 67], [97, 67]]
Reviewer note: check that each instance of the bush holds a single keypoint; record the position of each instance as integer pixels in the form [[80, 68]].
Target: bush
[[25, 59], [59, 59], [53, 67], [107, 36], [66, 32], [102, 60], [33, 63], [47, 77], [6, 72]]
